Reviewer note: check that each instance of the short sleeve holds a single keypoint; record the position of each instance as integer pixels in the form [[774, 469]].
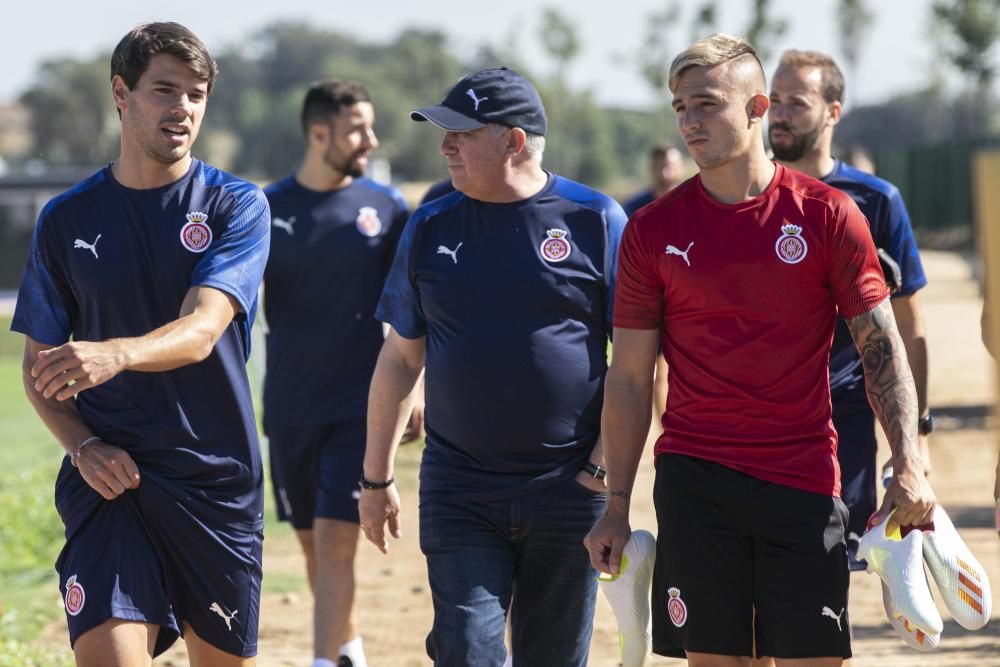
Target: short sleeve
[[616, 221], [399, 305], [235, 261], [639, 289], [854, 273], [399, 217], [45, 306], [902, 246]]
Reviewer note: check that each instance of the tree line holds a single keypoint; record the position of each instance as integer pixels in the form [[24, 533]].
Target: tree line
[[252, 127]]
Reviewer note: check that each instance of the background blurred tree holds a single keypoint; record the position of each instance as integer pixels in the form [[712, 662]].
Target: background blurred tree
[[703, 23], [73, 119], [971, 28], [764, 29], [854, 23]]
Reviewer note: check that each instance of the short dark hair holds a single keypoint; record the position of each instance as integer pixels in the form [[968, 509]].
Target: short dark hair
[[833, 78], [136, 49], [326, 98], [659, 151]]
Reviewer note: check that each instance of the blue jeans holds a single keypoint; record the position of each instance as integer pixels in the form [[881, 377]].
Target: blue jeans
[[481, 554]]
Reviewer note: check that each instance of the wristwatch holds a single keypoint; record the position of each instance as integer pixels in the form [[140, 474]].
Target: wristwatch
[[926, 424], [595, 471]]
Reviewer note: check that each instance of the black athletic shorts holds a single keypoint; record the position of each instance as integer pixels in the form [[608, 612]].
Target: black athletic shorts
[[731, 545]]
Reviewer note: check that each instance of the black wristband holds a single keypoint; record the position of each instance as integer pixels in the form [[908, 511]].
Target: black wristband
[[367, 484], [594, 470]]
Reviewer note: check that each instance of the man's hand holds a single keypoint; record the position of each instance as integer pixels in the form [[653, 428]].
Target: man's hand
[[606, 540], [67, 370], [376, 508], [109, 470], [911, 495]]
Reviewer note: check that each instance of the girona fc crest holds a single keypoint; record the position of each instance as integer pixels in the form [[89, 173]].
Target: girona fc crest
[[790, 246], [555, 247], [75, 596], [676, 608], [196, 235], [368, 222]]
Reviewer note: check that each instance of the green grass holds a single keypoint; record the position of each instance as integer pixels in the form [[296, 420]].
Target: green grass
[[30, 531]]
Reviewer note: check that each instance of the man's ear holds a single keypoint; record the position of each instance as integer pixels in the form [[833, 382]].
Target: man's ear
[[757, 108], [516, 139], [318, 133], [119, 91], [836, 110]]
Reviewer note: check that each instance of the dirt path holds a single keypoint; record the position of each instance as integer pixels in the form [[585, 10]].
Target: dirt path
[[395, 601]]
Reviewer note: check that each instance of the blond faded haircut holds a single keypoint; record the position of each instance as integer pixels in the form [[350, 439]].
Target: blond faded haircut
[[710, 51], [833, 79]]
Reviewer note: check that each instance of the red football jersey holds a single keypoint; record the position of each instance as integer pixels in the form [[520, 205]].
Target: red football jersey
[[746, 297]]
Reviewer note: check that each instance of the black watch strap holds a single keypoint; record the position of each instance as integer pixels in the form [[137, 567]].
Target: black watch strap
[[595, 471], [370, 485], [926, 424]]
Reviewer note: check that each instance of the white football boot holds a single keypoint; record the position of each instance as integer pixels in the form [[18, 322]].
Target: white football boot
[[628, 593], [898, 561], [908, 632], [960, 578]]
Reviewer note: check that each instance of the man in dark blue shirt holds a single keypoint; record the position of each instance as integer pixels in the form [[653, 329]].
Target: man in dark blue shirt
[[334, 233], [666, 171], [136, 304], [504, 289], [806, 103]]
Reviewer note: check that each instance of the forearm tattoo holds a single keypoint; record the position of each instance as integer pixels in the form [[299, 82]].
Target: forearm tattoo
[[888, 380]]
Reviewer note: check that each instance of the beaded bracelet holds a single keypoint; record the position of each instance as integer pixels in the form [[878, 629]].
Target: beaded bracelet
[[75, 456]]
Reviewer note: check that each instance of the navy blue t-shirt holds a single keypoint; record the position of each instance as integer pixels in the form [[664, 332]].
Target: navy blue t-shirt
[[515, 302], [108, 261], [879, 200], [330, 253], [637, 201]]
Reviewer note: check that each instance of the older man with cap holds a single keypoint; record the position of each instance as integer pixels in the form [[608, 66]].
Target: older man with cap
[[503, 291]]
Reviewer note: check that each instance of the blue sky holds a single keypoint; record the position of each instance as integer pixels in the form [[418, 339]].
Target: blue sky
[[898, 55]]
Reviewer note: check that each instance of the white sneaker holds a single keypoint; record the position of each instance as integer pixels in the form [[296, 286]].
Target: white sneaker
[[960, 578], [628, 593], [908, 632], [898, 561]]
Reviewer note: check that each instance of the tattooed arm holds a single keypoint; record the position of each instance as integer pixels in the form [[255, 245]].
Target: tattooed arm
[[893, 397]]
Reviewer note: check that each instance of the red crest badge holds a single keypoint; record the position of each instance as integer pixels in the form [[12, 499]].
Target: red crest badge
[[368, 222], [75, 596], [676, 608], [196, 235], [555, 247], [790, 246]]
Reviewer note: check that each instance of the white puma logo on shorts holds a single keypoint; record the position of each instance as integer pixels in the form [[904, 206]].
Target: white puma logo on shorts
[[829, 612], [228, 618]]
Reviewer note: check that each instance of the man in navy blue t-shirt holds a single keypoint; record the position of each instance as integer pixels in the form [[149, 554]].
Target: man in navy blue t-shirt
[[806, 103], [136, 305], [503, 291], [333, 235]]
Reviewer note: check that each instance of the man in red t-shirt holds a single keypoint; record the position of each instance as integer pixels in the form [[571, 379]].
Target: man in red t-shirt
[[739, 273]]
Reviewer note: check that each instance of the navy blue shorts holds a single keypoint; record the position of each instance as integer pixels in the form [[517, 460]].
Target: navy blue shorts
[[146, 557], [315, 471], [858, 475]]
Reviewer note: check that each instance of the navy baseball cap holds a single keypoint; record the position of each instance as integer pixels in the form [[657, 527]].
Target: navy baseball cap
[[497, 95]]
